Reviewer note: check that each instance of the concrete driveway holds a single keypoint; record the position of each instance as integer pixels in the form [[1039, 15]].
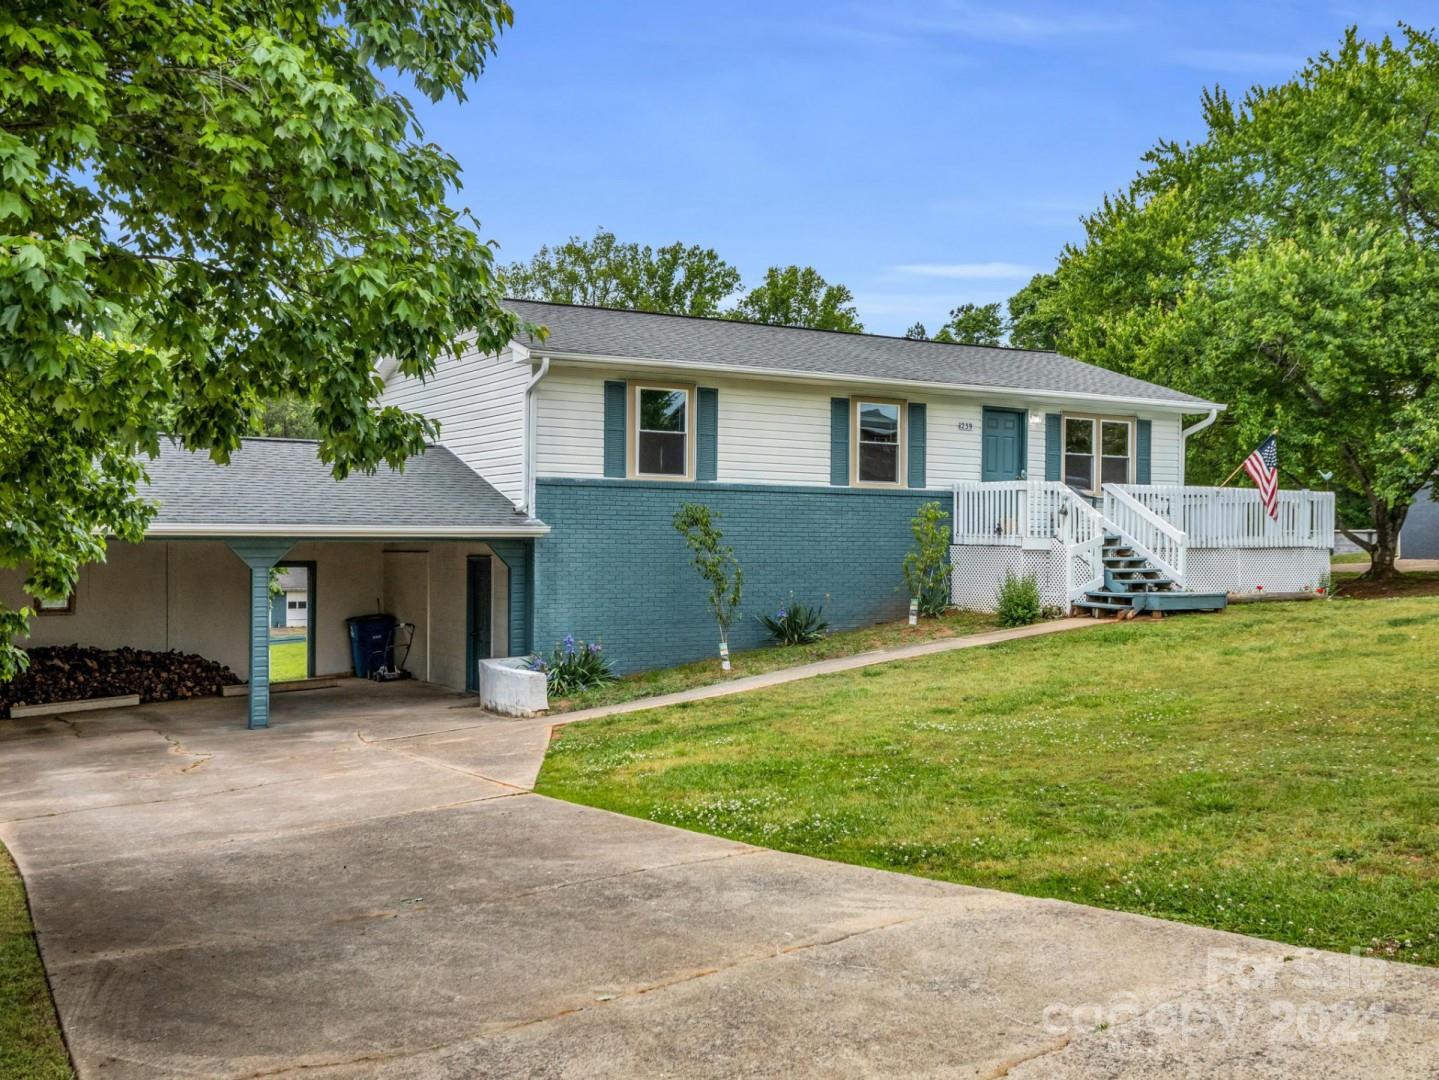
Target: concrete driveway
[[369, 889]]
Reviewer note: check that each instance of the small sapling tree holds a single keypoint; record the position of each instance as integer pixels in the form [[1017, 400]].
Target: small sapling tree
[[717, 565], [926, 569]]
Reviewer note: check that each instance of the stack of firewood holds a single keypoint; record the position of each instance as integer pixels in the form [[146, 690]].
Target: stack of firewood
[[75, 672]]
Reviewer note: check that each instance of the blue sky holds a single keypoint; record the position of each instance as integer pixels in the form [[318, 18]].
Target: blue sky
[[924, 154]]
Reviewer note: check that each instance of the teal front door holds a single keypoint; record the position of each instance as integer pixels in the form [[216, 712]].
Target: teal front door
[[1002, 449], [477, 618]]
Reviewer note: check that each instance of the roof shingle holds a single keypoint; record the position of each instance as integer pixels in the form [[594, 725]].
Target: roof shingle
[[722, 343], [282, 482]]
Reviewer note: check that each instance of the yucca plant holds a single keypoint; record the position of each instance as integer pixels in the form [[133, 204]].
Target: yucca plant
[[796, 624], [574, 666]]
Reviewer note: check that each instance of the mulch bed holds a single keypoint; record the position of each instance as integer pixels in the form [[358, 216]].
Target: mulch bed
[[1410, 583], [76, 673]]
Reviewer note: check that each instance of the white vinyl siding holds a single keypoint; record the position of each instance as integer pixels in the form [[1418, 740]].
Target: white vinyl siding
[[770, 433], [570, 424], [479, 402], [1165, 452], [778, 433]]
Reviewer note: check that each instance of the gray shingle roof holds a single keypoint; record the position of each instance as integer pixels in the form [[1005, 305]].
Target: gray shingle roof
[[279, 483], [723, 343]]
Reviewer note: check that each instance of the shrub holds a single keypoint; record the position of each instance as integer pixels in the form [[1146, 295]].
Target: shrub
[[926, 567], [796, 624], [1018, 600], [574, 666]]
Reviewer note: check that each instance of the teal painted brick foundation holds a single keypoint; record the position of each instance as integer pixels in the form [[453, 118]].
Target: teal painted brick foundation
[[614, 569]]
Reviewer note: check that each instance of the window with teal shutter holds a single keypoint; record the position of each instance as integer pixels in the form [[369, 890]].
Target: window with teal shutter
[[1141, 451], [1052, 446], [839, 441], [917, 436], [615, 392], [707, 434]]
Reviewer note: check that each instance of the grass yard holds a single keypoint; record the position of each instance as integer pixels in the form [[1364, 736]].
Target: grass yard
[[1273, 770], [1350, 557], [30, 1043], [288, 660], [770, 658]]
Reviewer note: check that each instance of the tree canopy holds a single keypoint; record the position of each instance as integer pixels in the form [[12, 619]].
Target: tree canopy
[[799, 296], [973, 324], [204, 207], [606, 272], [1288, 263]]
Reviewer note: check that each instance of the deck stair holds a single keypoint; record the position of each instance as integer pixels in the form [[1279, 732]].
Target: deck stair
[[1133, 584]]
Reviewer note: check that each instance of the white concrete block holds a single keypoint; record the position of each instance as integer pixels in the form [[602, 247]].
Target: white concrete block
[[509, 687]]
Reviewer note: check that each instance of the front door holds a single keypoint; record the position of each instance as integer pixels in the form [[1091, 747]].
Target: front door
[[477, 618], [1002, 445]]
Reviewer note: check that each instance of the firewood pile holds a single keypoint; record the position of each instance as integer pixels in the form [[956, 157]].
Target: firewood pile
[[76, 672]]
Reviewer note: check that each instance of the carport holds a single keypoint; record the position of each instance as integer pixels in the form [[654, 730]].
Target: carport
[[435, 545]]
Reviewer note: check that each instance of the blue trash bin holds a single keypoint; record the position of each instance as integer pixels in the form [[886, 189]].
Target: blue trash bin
[[371, 639]]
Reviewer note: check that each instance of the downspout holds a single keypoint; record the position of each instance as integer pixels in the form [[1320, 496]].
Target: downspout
[[1192, 429], [529, 506]]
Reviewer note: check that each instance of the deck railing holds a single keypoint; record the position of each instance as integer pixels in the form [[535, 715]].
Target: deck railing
[[1236, 518], [1035, 512], [1146, 532]]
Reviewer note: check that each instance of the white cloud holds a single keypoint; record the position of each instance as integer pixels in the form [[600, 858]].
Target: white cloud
[[980, 271]]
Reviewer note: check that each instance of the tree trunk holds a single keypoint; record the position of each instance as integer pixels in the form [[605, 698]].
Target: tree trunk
[[1387, 523]]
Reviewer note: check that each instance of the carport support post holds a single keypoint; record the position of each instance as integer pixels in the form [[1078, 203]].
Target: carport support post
[[260, 556]]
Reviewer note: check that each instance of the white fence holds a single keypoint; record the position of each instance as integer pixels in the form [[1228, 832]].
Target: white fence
[[1236, 518]]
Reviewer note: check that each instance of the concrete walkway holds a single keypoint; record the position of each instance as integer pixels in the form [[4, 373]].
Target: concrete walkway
[[369, 889], [826, 667]]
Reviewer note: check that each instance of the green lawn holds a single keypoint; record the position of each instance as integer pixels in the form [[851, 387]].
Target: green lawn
[[30, 1043], [1273, 770], [757, 661], [288, 660], [1350, 557]]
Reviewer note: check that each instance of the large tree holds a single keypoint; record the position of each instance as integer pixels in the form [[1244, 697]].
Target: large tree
[[1288, 263], [1035, 320], [606, 272], [204, 207], [973, 324], [799, 296]]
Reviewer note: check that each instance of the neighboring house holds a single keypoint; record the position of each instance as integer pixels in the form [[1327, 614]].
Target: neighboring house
[[547, 509], [290, 599], [1419, 538]]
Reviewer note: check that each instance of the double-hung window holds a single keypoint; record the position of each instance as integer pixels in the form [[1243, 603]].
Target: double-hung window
[[877, 441], [1097, 452], [662, 416]]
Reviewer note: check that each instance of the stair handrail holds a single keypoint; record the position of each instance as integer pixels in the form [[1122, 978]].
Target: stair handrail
[[1146, 532]]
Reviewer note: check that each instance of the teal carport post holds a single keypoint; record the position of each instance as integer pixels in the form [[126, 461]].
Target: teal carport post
[[260, 556]]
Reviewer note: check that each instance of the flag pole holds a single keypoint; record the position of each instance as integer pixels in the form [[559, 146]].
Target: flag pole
[[1235, 473]]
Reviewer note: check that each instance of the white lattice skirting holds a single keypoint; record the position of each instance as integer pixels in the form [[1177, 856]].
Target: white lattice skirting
[[1256, 570], [976, 571]]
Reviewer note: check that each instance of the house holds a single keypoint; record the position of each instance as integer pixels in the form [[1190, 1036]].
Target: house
[[546, 509], [1419, 537], [290, 597]]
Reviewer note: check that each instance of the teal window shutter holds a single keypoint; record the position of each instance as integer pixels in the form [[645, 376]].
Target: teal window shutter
[[1053, 446], [615, 428], [917, 435], [1141, 451], [707, 434], [839, 441]]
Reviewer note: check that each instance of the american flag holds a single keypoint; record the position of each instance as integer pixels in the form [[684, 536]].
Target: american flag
[[1263, 468]]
